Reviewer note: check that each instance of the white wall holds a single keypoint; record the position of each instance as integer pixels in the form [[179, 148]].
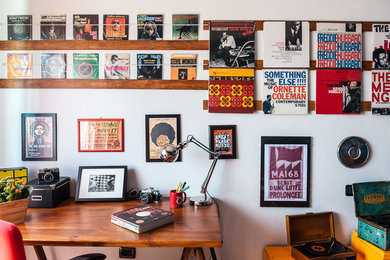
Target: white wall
[[246, 227]]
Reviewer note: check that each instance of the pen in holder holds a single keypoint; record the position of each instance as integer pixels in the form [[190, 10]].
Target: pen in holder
[[176, 199]]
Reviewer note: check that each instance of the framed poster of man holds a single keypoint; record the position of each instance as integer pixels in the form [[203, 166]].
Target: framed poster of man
[[161, 130], [223, 139], [285, 171], [39, 137]]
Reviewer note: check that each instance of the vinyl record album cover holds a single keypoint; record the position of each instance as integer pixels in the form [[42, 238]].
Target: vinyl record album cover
[[339, 45], [19, 65], [286, 44], [381, 51], [380, 82], [53, 27], [183, 67], [53, 66], [115, 27], [149, 66], [338, 92], [86, 65], [285, 91], [231, 90], [150, 27], [86, 27], [232, 44], [117, 66], [19, 27], [185, 27]]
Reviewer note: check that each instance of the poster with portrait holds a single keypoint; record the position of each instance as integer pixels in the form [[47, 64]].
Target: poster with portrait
[[285, 171], [100, 135], [286, 44], [161, 130], [39, 137], [223, 139], [115, 27], [53, 27], [86, 27]]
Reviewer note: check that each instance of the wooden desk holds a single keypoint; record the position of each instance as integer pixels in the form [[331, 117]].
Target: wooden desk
[[88, 224]]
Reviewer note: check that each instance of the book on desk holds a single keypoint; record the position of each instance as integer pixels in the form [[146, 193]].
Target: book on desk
[[142, 218]]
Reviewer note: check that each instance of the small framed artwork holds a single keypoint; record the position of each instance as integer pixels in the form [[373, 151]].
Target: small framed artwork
[[285, 171], [223, 139], [39, 137], [101, 183], [100, 135], [161, 130]]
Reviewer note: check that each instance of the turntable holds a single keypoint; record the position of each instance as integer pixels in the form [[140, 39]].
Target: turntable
[[312, 237]]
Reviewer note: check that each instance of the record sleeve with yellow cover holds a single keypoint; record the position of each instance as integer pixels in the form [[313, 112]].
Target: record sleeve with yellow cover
[[19, 65], [183, 67]]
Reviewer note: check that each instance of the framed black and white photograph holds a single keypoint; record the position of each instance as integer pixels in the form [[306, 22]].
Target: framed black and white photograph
[[161, 130], [285, 171], [223, 139], [39, 137], [101, 183]]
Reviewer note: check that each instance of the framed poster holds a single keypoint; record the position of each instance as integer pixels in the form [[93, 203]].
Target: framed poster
[[101, 183], [161, 130], [39, 137], [223, 139], [285, 171], [100, 135]]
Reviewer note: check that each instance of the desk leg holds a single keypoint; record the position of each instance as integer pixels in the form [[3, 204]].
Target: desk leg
[[212, 252], [200, 252], [186, 253], [40, 253]]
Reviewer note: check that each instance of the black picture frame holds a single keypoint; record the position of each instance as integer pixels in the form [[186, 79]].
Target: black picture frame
[[285, 171], [226, 136], [101, 183], [39, 136], [155, 125]]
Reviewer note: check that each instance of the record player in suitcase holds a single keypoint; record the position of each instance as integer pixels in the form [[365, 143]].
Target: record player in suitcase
[[372, 207], [312, 237]]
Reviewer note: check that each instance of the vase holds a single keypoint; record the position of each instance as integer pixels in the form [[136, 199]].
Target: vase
[[14, 211]]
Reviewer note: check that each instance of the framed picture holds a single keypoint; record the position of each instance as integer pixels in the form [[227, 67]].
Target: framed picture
[[285, 171], [101, 183], [39, 137], [223, 139], [100, 135], [161, 130]]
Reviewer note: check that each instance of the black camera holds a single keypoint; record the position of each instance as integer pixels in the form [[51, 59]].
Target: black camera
[[150, 194], [48, 175]]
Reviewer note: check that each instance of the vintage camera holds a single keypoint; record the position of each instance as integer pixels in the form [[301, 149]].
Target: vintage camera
[[150, 194], [48, 175]]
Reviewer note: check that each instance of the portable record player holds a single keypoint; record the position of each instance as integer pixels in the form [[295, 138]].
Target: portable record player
[[312, 237], [372, 207]]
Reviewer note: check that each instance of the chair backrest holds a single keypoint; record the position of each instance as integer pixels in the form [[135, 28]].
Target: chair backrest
[[11, 242]]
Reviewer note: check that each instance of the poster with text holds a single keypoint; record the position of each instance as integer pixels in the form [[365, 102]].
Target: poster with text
[[285, 171], [381, 51], [286, 44]]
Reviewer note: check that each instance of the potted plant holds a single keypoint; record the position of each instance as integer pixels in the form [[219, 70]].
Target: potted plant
[[14, 198]]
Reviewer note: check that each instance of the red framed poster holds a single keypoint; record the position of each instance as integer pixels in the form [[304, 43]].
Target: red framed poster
[[100, 135]]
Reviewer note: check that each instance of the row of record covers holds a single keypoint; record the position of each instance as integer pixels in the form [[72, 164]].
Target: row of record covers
[[115, 27]]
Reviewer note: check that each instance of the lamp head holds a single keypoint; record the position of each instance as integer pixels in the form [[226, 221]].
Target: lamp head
[[169, 153]]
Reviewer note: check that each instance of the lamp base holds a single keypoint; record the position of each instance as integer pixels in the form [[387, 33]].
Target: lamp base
[[200, 201]]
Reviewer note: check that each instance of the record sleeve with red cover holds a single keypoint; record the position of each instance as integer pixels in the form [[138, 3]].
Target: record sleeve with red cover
[[338, 92]]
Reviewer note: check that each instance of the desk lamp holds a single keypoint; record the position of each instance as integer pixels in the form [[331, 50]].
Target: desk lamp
[[170, 153]]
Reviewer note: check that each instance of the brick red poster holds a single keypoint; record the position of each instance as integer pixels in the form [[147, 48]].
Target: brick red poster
[[285, 171]]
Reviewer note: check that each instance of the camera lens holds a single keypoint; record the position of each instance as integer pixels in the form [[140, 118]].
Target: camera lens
[[48, 177], [146, 197]]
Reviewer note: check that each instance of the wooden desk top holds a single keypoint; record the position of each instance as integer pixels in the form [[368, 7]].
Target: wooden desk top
[[89, 224]]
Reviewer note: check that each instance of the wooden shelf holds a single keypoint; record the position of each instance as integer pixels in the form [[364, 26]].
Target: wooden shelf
[[366, 105], [104, 45], [103, 84]]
